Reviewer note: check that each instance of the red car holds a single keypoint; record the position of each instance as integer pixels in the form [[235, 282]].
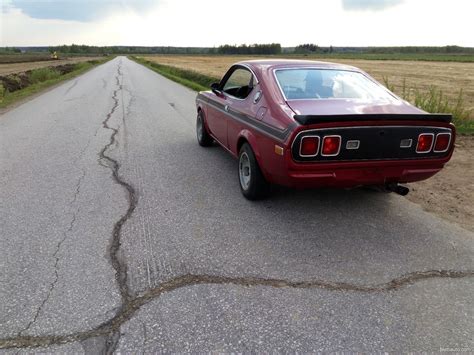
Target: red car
[[310, 124]]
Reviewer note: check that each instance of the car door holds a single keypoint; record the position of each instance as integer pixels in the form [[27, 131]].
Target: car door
[[216, 120], [234, 88], [242, 107]]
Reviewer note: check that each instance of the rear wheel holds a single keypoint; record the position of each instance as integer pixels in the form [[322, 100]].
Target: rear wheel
[[203, 137], [252, 183]]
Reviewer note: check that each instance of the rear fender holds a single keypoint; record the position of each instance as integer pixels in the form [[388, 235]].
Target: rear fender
[[246, 135]]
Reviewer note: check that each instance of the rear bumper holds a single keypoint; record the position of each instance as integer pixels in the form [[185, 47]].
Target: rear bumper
[[369, 173]]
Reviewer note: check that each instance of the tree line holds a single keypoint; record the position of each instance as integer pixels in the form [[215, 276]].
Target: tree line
[[271, 48], [79, 49], [252, 49]]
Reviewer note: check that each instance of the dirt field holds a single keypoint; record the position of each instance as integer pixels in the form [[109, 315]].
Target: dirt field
[[450, 194], [448, 76], [11, 68]]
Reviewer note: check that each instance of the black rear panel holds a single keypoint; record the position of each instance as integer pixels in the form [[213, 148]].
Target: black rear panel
[[376, 143]]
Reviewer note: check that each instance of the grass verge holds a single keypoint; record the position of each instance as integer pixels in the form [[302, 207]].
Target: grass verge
[[191, 79], [434, 100], [44, 78]]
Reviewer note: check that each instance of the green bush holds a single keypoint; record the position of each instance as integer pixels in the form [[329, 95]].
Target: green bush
[[43, 74], [434, 101], [2, 92], [81, 65]]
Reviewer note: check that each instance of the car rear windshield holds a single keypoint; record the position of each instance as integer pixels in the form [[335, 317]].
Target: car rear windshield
[[310, 83]]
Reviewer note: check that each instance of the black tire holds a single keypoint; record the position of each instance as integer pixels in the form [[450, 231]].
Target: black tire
[[203, 137], [251, 180]]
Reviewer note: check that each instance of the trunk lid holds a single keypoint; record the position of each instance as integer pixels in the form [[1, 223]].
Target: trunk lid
[[351, 107]]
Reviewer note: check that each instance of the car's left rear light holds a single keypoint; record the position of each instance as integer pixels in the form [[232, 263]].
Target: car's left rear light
[[309, 146], [442, 142], [331, 146], [425, 143]]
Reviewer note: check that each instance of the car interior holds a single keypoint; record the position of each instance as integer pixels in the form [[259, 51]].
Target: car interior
[[239, 84], [309, 87]]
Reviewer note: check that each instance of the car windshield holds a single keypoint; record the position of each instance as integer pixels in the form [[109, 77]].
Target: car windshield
[[310, 83]]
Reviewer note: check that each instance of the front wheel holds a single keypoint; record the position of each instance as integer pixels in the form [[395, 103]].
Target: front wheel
[[203, 137], [252, 183]]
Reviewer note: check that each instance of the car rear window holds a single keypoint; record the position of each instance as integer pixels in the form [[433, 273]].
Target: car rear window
[[309, 83]]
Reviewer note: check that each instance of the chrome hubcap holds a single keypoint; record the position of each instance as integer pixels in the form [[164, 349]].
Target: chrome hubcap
[[244, 171]]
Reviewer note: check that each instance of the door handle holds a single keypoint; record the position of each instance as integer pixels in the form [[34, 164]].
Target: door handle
[[226, 108]]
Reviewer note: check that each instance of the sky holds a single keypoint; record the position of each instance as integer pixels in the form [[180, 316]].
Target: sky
[[209, 23]]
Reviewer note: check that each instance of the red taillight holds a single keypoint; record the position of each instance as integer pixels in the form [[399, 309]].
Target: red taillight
[[425, 142], [309, 146], [331, 145], [442, 142]]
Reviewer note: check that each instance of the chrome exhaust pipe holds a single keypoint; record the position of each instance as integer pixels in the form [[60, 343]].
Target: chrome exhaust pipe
[[398, 189]]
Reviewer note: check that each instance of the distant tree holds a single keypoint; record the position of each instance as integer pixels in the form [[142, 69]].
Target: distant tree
[[307, 48], [272, 48], [453, 49]]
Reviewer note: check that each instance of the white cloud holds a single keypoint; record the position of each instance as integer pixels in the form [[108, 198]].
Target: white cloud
[[369, 4], [77, 10], [211, 23]]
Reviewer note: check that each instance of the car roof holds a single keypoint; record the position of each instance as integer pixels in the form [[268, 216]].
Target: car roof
[[265, 64]]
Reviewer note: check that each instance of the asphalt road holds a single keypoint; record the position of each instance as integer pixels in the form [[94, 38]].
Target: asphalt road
[[119, 233]]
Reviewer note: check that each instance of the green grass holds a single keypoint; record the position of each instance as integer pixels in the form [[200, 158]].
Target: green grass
[[43, 74], [466, 128], [44, 78], [2, 92], [188, 78], [435, 101]]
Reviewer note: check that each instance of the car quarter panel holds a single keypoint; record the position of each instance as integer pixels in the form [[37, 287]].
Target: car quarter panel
[[243, 124]]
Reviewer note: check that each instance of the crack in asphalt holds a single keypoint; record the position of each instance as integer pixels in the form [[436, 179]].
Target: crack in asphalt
[[71, 87], [119, 267], [75, 98], [111, 327], [130, 102], [111, 342], [56, 257], [60, 243]]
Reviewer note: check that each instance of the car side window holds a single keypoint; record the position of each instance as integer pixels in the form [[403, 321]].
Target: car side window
[[239, 84]]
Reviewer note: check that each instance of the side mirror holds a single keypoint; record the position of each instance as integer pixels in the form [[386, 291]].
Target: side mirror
[[215, 88]]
